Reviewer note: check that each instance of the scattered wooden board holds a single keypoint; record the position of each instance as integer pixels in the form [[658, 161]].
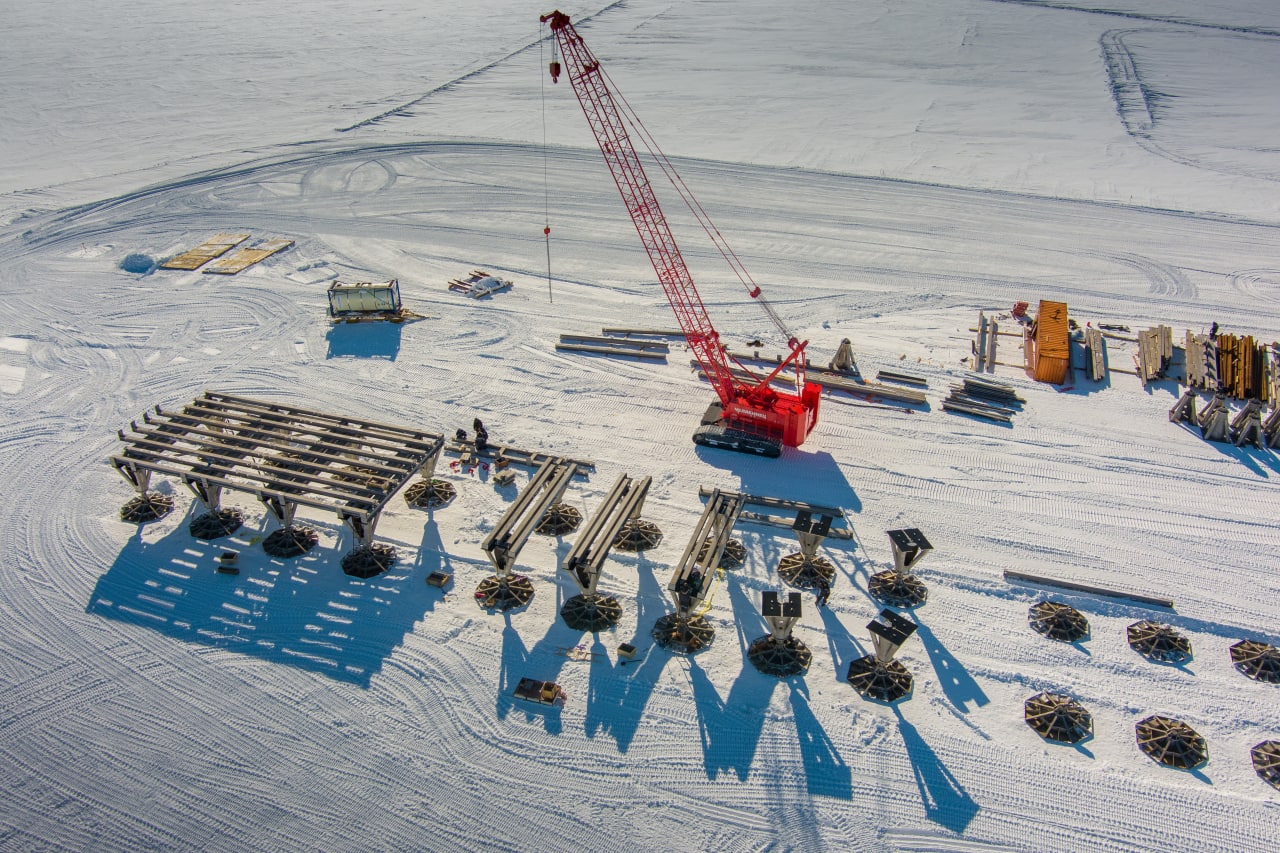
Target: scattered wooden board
[[1080, 587], [242, 259], [215, 246]]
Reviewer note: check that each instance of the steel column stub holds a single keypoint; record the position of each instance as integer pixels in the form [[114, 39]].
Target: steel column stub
[[591, 612], [504, 593], [683, 636]]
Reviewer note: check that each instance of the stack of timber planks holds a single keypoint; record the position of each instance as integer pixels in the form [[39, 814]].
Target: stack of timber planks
[[1155, 353], [1242, 368], [984, 398]]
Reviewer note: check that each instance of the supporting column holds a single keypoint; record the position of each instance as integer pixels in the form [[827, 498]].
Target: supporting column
[[806, 569], [430, 492], [1246, 427], [687, 630], [880, 676], [591, 611], [367, 558], [779, 653], [216, 521], [1215, 420], [899, 587], [289, 540], [145, 505], [1271, 427], [1184, 411], [504, 589]]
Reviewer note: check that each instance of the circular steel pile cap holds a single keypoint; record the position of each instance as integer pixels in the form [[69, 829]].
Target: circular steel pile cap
[[898, 589], [1058, 717], [884, 681], [1159, 642], [430, 493], [733, 556], [292, 541], [1266, 761], [683, 636], [215, 525], [146, 507], [369, 561], [780, 658], [559, 520], [1259, 661], [1058, 622], [1171, 742], [504, 593], [591, 612], [806, 573], [637, 535]]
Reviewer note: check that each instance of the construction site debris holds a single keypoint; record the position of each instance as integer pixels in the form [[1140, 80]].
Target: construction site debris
[[479, 284]]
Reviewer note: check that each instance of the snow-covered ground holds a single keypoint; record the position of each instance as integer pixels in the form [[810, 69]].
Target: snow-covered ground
[[885, 170]]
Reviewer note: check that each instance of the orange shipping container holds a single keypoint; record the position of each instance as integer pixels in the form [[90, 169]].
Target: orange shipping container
[[1048, 345]]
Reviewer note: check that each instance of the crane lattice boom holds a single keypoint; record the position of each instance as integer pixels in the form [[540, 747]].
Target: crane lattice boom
[[754, 407]]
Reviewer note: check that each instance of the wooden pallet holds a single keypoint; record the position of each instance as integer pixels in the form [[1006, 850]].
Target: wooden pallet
[[215, 246], [242, 259]]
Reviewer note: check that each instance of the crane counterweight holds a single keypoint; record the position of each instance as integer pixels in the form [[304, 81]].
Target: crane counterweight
[[751, 416]]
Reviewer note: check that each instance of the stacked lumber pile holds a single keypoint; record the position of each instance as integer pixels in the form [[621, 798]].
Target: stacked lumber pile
[[1242, 368], [984, 398]]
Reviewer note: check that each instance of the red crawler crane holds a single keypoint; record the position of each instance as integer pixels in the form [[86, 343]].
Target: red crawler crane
[[751, 416]]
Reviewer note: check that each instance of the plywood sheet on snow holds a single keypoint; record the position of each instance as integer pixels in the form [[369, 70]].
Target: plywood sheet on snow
[[215, 246], [242, 259]]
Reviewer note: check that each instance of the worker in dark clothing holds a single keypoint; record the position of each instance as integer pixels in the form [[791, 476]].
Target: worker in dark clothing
[[695, 582], [482, 435], [824, 592]]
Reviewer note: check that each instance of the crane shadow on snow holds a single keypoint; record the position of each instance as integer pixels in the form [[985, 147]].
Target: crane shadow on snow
[[945, 800], [364, 340], [303, 612], [798, 475]]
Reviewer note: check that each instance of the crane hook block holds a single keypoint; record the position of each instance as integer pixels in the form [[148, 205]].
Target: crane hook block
[[555, 71]]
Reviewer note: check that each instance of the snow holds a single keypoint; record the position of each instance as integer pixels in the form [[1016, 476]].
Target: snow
[[885, 171]]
